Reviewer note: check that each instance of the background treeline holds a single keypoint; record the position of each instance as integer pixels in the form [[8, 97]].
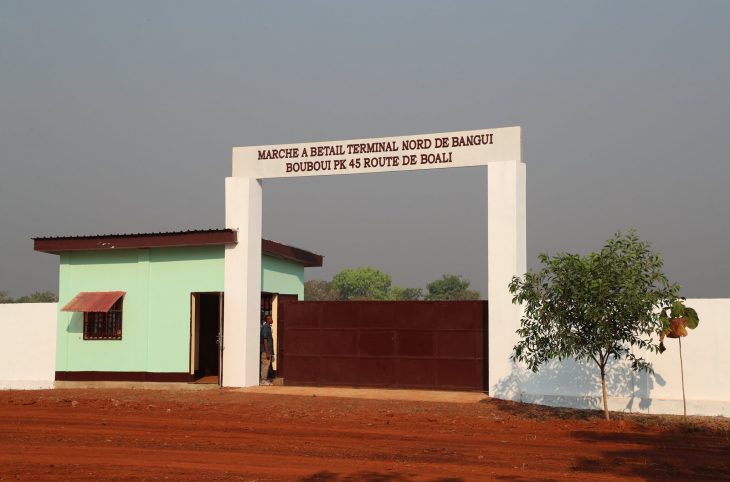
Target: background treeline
[[37, 297], [366, 283]]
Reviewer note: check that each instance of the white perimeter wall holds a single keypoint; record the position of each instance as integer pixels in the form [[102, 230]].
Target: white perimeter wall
[[706, 353], [27, 345]]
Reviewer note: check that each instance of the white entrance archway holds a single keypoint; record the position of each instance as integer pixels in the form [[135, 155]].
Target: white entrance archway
[[498, 149]]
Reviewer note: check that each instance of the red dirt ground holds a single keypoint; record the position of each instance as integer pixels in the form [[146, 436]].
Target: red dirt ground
[[221, 434]]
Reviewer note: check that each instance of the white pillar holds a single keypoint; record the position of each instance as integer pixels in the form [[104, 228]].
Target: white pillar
[[506, 224], [241, 324]]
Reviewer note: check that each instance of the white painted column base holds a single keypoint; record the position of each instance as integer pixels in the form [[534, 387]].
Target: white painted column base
[[506, 237], [242, 285]]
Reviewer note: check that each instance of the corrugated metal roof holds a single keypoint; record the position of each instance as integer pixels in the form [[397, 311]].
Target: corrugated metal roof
[[93, 301], [131, 241], [198, 237], [292, 253], [134, 235]]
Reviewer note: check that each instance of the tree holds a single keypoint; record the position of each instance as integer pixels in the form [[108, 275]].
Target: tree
[[359, 284], [451, 287], [398, 293], [320, 290], [594, 307], [38, 297], [675, 321], [364, 283]]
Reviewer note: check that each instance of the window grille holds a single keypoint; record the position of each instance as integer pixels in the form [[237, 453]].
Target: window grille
[[104, 326]]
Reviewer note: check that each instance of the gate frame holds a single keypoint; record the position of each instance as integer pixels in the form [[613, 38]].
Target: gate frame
[[506, 250]]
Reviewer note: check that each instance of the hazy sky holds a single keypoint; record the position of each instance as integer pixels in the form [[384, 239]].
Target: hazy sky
[[120, 117]]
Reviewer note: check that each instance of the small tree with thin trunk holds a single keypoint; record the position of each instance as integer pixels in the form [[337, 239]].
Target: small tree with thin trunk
[[596, 307], [676, 319]]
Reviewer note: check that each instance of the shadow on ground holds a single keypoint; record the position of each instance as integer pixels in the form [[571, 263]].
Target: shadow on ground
[[532, 411], [366, 476], [684, 453]]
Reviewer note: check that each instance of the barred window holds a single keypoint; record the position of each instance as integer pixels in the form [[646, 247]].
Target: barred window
[[104, 326]]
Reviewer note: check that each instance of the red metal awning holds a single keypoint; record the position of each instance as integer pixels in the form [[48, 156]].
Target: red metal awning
[[93, 301]]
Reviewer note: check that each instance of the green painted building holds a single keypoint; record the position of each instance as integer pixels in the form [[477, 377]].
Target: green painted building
[[149, 307]]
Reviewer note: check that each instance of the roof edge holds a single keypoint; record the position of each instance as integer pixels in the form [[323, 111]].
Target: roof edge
[[291, 253], [56, 245], [208, 237]]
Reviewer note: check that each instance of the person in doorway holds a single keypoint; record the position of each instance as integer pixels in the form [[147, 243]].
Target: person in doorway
[[267, 350]]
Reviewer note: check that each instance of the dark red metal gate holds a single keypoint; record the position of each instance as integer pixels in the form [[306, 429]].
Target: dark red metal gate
[[405, 344]]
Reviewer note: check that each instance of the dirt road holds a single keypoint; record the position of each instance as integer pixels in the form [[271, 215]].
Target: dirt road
[[230, 435]]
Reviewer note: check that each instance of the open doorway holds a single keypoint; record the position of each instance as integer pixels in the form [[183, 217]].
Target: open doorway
[[270, 305], [268, 308], [206, 337]]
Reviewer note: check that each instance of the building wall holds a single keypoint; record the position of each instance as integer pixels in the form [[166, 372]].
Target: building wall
[[27, 345], [706, 373], [156, 309], [282, 276]]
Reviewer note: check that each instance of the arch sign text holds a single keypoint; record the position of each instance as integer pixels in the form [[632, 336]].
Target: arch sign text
[[387, 154]]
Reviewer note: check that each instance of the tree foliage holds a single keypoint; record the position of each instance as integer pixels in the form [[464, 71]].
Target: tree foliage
[[450, 287], [595, 307], [675, 321], [398, 293], [320, 290], [36, 297], [364, 283]]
